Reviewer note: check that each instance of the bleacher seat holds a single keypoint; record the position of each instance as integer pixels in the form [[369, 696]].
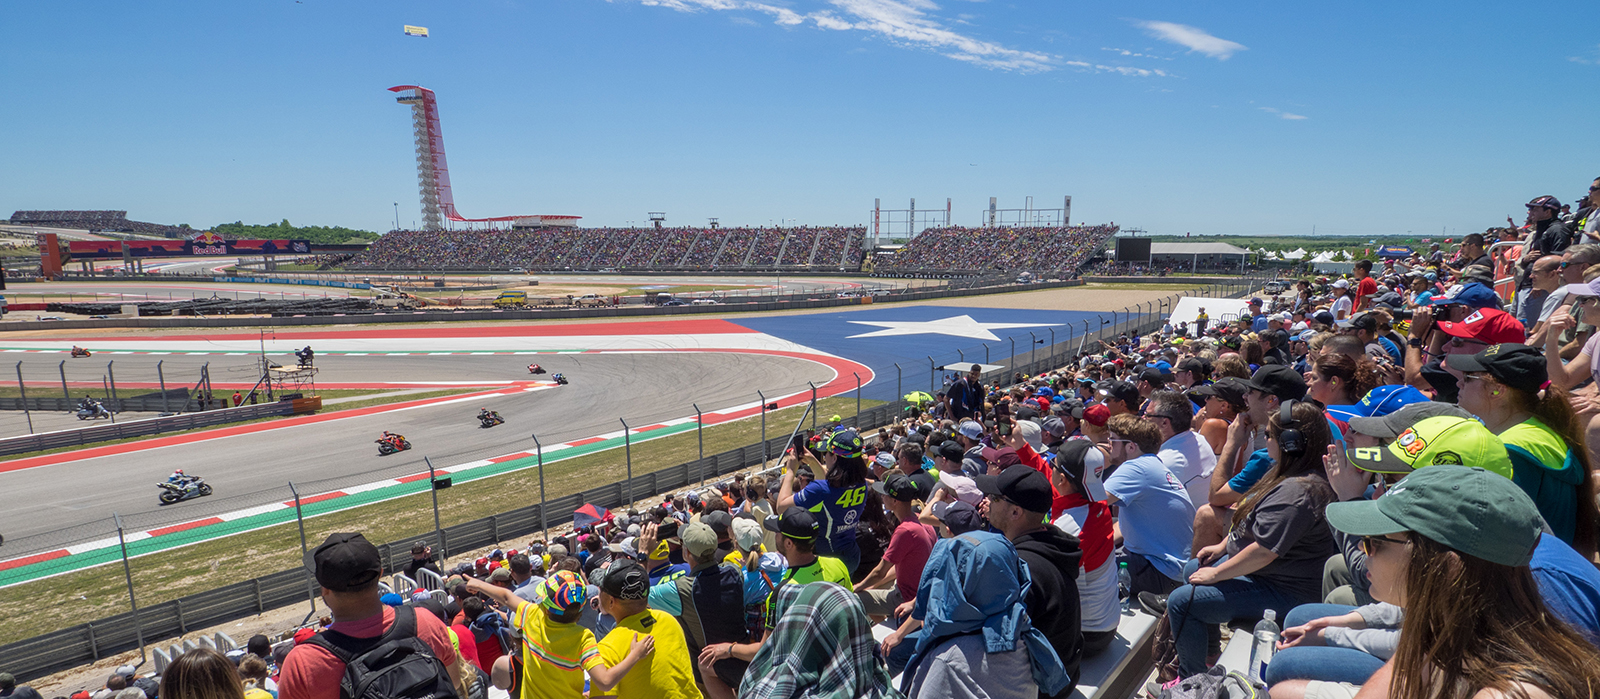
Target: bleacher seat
[[223, 642], [429, 579], [161, 659], [402, 584]]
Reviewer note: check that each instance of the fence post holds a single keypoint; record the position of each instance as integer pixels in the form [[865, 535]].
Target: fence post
[[113, 374], [127, 573], [933, 376], [960, 356], [1033, 342], [985, 353], [898, 393], [813, 405], [433, 488], [764, 451], [700, 439], [858, 398], [23, 388], [627, 446], [1053, 348], [64, 392], [1013, 360], [300, 519], [544, 529], [165, 408]]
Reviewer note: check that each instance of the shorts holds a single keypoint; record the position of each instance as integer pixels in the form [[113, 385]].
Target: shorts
[[1317, 689]]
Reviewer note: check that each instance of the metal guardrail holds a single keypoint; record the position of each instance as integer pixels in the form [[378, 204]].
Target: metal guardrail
[[141, 428], [89, 642]]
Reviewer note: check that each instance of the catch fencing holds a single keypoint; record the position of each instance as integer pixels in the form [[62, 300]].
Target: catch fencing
[[149, 426], [147, 623]]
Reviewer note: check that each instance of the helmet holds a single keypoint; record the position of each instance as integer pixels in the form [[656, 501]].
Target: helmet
[[178, 471]]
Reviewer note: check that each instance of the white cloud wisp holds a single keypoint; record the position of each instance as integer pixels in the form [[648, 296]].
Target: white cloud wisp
[[1193, 38]]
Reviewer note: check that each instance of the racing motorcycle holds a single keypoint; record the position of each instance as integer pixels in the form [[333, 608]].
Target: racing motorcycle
[[489, 419], [560, 380], [90, 409], [535, 369], [392, 444], [194, 487], [79, 352], [304, 356]]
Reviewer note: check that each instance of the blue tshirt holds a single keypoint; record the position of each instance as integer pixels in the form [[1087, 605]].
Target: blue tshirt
[[836, 510], [1569, 585], [1154, 511]]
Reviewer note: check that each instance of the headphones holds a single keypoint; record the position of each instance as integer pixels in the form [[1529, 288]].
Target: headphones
[[1290, 440]]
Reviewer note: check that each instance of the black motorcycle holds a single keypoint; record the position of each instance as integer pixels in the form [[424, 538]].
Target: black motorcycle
[[560, 380], [176, 492], [487, 420], [304, 356]]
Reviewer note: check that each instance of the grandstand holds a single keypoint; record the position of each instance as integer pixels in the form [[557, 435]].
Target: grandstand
[[804, 248], [1054, 250], [94, 221]]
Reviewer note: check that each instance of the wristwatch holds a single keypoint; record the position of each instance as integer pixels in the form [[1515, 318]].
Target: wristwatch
[[1414, 342]]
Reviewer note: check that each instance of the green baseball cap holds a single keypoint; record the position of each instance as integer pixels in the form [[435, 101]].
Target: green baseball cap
[[1435, 441], [1472, 510]]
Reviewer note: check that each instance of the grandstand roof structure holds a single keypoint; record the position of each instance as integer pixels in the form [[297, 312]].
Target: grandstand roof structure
[[96, 220]]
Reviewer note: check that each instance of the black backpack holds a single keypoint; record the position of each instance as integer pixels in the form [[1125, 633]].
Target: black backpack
[[396, 665]]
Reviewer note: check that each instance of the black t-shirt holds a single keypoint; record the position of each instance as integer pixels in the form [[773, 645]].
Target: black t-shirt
[[1289, 521], [925, 483], [415, 565]]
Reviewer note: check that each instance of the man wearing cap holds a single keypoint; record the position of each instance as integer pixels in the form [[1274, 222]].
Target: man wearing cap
[[1156, 517], [658, 558], [709, 602], [669, 671], [1364, 326], [969, 434], [1150, 380], [1017, 503], [906, 556], [347, 567], [9, 689], [1201, 320], [1472, 334], [1258, 319], [1089, 520], [1182, 450], [1121, 398], [965, 396], [421, 557]]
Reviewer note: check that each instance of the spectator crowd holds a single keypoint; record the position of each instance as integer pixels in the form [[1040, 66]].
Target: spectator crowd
[[822, 248], [1044, 249], [1397, 465]]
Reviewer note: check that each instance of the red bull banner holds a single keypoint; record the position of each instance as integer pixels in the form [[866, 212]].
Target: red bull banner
[[205, 244]]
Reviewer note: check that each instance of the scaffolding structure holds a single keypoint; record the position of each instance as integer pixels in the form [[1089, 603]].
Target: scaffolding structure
[[1028, 216], [904, 223]]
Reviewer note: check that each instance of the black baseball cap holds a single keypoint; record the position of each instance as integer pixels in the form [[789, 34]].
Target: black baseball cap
[[1020, 484], [795, 523], [624, 578], [897, 486], [719, 520], [1278, 380], [1518, 366], [345, 562], [1123, 391], [952, 451], [1361, 321], [1229, 388], [1070, 461], [1195, 365], [1153, 376]]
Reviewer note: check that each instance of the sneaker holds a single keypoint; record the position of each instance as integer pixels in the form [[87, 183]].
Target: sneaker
[[1154, 689], [1153, 604]]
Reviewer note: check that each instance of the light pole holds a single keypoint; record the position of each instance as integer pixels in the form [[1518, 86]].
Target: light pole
[[397, 216], [544, 528], [627, 445]]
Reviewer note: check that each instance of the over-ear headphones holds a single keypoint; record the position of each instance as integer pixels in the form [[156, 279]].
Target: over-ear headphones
[[1289, 439]]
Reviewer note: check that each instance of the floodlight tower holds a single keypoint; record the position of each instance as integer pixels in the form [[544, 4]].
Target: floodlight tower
[[657, 218], [433, 175]]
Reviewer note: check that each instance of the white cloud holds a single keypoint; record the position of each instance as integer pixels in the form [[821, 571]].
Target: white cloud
[[1134, 54], [1592, 60], [1193, 38], [904, 22], [1119, 70], [1291, 116]]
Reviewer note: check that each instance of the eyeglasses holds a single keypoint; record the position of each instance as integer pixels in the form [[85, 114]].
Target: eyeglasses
[[1477, 377], [1114, 440], [1369, 544]]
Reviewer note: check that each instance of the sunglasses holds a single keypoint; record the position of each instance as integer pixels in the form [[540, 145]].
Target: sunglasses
[[1370, 544]]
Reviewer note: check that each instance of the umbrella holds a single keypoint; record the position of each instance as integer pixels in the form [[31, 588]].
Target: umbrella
[[588, 515], [918, 398]]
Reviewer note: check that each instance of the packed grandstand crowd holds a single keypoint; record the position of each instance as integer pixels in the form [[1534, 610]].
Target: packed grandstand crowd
[[110, 221], [1060, 250], [1396, 466], [816, 247]]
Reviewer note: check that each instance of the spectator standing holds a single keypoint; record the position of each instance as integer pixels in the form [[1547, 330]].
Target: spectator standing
[[1366, 286], [9, 689], [837, 500], [421, 557], [709, 601], [1018, 504], [668, 672], [1156, 518], [347, 567], [965, 396], [906, 556], [1342, 305]]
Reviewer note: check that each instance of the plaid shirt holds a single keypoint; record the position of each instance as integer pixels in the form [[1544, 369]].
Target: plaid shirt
[[821, 648]]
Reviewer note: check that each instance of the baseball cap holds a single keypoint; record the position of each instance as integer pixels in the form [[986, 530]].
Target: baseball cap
[[1391, 425], [1194, 365], [1097, 415], [1278, 380], [884, 459], [897, 486], [1545, 201], [1001, 458], [845, 443], [1472, 294], [1255, 302], [747, 533], [419, 547], [951, 451], [1070, 460], [1383, 400], [1123, 391], [970, 429], [1590, 289], [563, 591], [961, 517], [1515, 365], [965, 489], [1360, 321], [1032, 433], [1472, 510], [1027, 488], [1055, 426], [1341, 284], [1305, 335], [795, 523], [345, 562], [699, 539], [1324, 317], [499, 575], [1487, 325], [1153, 375], [719, 520], [1436, 441], [625, 579]]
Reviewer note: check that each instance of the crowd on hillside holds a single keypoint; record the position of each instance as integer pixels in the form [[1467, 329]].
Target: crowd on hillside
[[829, 247], [116, 221], [1397, 466], [1057, 249]]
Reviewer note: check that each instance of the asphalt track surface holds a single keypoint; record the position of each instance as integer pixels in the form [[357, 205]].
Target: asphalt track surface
[[642, 388]]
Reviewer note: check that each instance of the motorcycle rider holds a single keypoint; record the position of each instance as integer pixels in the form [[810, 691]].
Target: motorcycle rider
[[305, 355], [393, 438], [180, 480], [487, 414], [79, 351], [535, 369]]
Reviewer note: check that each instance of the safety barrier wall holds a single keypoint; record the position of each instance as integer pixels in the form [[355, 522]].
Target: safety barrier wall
[[85, 643], [141, 428]]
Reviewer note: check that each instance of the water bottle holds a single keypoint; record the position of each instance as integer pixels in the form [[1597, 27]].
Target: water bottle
[[1266, 644], [1124, 581]]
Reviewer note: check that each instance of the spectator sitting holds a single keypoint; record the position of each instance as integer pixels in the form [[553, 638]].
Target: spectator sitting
[[820, 645], [253, 675], [1182, 450], [1156, 520], [9, 689], [203, 673], [1089, 521], [906, 556]]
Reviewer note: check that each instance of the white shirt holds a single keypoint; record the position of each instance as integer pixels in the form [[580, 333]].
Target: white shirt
[[1341, 307], [1190, 459]]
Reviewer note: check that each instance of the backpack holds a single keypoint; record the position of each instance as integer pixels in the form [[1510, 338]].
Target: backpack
[[1216, 683], [395, 665]]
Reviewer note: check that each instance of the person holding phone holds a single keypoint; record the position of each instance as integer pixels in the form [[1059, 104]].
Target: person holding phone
[[837, 499]]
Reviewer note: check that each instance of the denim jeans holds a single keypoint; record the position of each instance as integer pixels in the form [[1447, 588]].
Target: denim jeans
[[1320, 662], [1196, 613]]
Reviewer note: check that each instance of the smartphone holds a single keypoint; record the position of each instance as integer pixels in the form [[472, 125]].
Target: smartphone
[[1002, 409], [802, 440], [1004, 429]]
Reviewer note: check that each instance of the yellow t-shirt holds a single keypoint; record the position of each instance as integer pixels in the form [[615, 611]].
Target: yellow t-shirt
[[666, 673], [557, 654]]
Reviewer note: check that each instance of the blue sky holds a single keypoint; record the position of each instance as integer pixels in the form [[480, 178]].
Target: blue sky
[[1252, 118]]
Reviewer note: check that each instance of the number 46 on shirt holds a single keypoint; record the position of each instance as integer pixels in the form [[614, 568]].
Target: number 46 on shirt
[[853, 497]]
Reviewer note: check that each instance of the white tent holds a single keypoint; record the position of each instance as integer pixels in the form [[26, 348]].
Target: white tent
[[1323, 257], [1297, 254]]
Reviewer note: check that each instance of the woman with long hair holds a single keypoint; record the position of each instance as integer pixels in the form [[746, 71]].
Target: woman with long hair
[[1252, 352], [1451, 545], [201, 673], [1230, 364], [837, 498], [1339, 379], [1507, 387], [1273, 557]]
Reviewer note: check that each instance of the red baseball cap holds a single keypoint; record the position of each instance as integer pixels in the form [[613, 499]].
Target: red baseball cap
[[1097, 415], [1488, 326]]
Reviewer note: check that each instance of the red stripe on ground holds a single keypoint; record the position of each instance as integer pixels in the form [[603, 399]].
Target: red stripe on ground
[[582, 442], [186, 525], [412, 478], [507, 457], [318, 498], [35, 558], [647, 429], [647, 327]]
